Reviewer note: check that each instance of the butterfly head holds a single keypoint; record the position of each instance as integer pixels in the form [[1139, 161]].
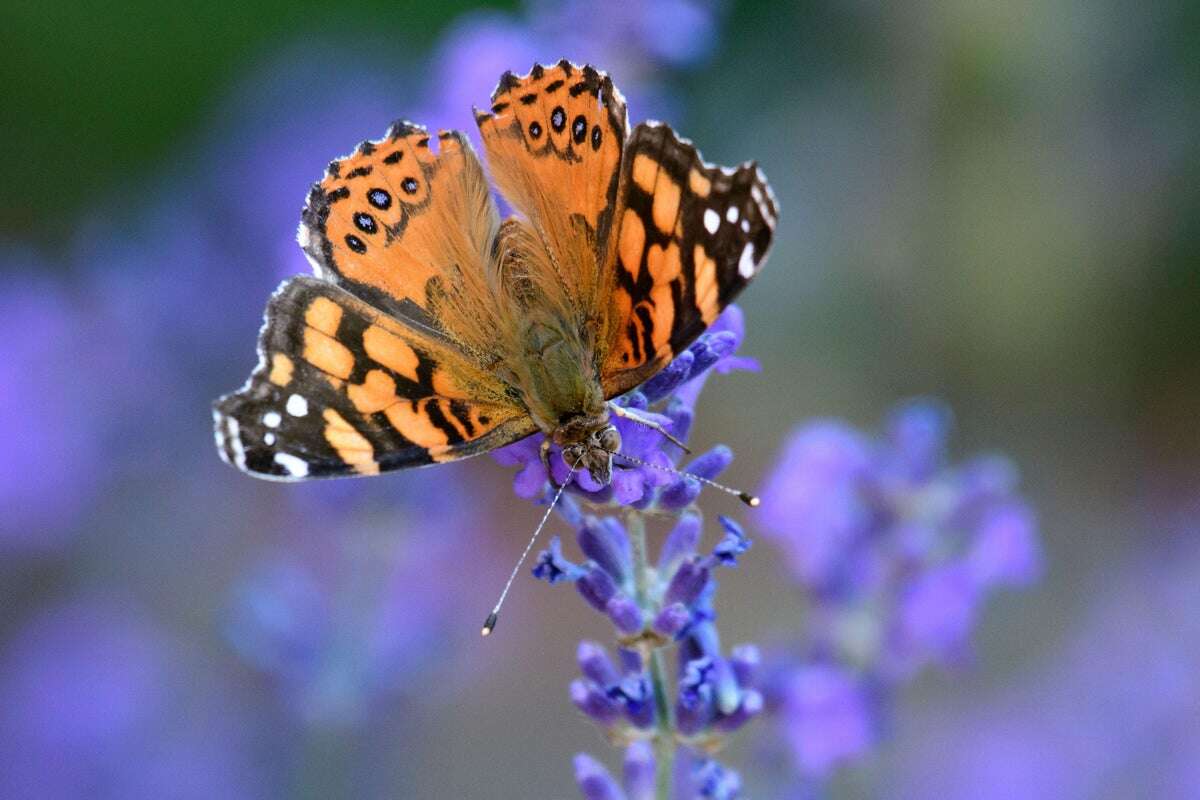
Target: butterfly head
[[590, 441]]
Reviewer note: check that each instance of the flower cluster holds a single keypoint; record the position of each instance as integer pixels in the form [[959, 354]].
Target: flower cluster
[[894, 551], [670, 718]]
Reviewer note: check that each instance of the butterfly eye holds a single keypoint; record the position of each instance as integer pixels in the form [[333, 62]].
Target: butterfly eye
[[579, 129], [572, 454], [610, 439]]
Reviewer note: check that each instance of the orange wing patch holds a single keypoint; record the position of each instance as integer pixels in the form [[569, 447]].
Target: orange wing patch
[[394, 217]]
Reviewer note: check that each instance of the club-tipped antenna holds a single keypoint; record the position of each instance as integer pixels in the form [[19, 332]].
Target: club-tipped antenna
[[489, 624], [747, 498]]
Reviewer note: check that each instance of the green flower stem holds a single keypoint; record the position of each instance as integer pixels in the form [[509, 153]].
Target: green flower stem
[[664, 738]]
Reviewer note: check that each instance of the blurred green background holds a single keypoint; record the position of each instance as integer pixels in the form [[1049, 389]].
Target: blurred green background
[[994, 204]]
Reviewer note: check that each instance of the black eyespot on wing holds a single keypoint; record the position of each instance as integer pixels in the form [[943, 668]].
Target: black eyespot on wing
[[365, 222], [380, 199], [535, 130], [356, 244], [579, 129], [596, 135], [409, 185], [558, 119]]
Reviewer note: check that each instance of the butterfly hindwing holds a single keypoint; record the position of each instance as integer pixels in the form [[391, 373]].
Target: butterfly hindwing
[[691, 236], [342, 389]]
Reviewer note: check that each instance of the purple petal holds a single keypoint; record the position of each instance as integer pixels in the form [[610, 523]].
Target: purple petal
[[595, 664], [672, 619], [639, 771], [680, 542], [625, 614], [604, 541], [589, 699], [1006, 549], [594, 781]]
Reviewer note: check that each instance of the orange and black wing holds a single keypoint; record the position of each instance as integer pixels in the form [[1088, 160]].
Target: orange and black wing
[[690, 237], [407, 224], [344, 389], [554, 140]]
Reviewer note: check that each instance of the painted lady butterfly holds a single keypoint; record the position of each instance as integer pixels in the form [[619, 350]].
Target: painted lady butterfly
[[434, 331]]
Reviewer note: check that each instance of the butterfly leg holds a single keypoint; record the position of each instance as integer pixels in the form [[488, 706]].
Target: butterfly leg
[[633, 416]]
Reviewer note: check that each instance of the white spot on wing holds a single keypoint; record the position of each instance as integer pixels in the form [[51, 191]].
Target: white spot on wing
[[272, 419], [712, 220], [745, 226], [269, 438], [746, 262], [297, 406], [731, 214], [296, 467], [235, 443]]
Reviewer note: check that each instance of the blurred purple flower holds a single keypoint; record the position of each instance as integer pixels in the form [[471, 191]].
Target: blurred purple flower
[[53, 409], [345, 623], [895, 551], [96, 701], [1111, 711]]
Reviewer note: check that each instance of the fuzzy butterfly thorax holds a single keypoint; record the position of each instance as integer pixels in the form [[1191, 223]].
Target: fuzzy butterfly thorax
[[434, 331]]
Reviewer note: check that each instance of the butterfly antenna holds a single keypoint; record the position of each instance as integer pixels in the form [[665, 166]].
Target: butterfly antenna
[[489, 624], [745, 497]]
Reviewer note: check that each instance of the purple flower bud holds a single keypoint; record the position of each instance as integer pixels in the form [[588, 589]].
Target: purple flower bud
[[625, 614], [746, 660], [594, 781], [680, 543], [589, 699], [639, 771], [671, 620], [596, 586], [1006, 548], [604, 541], [669, 379], [917, 433], [687, 583], [712, 463], [681, 417], [595, 664], [709, 349], [568, 511], [680, 494]]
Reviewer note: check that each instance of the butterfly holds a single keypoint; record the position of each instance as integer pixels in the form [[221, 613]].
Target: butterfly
[[432, 330]]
